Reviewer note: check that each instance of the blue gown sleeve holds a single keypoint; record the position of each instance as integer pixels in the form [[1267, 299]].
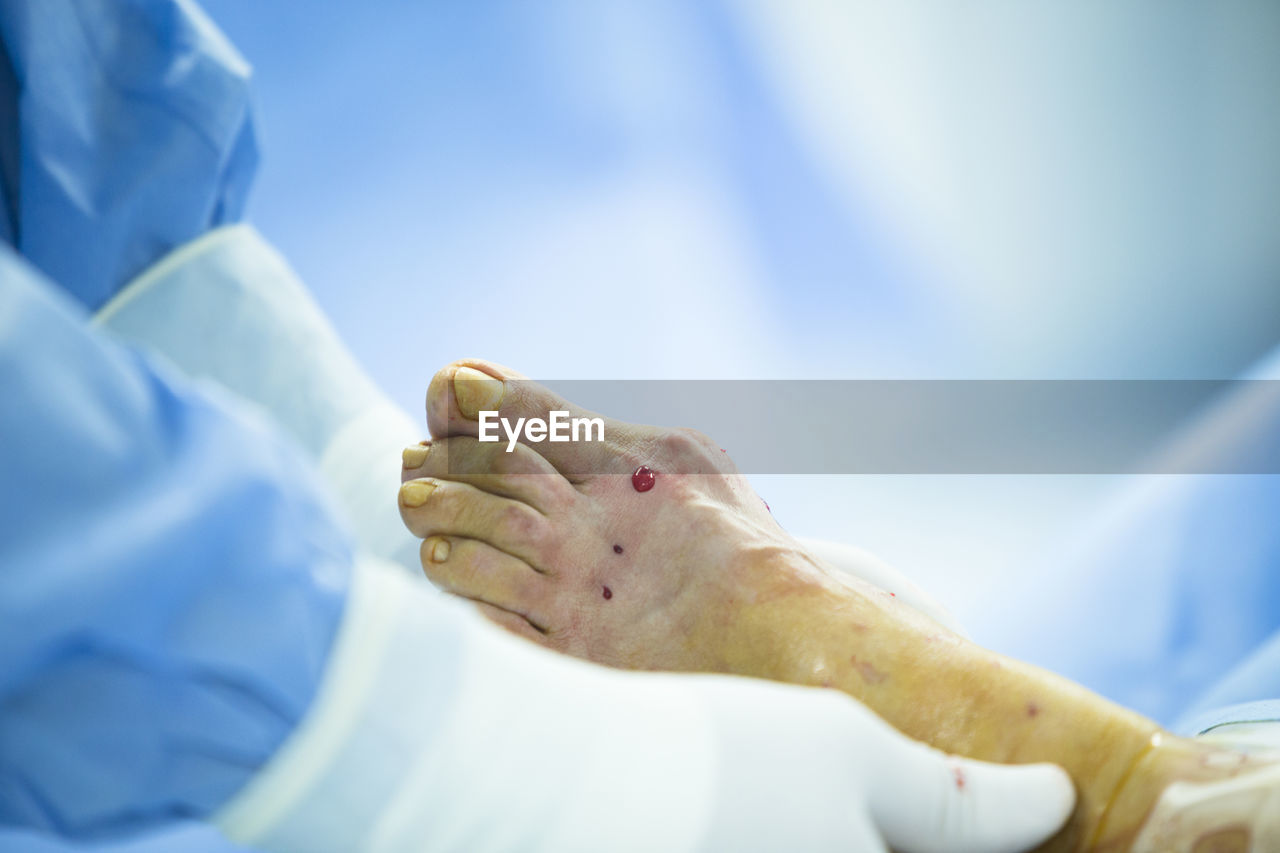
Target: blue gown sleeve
[[130, 133], [171, 580]]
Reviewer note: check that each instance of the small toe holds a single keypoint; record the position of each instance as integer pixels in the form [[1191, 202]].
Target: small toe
[[480, 572], [521, 474], [513, 622], [434, 507]]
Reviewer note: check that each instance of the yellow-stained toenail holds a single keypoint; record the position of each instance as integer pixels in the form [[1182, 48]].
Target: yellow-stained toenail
[[415, 456], [439, 549], [416, 492], [476, 392]]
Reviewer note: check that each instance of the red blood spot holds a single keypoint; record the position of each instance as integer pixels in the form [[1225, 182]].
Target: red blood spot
[[1033, 710], [766, 504], [722, 450], [608, 593], [617, 549], [960, 780], [643, 479]]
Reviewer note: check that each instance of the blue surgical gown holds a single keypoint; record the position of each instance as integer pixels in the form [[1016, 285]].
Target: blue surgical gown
[[125, 131], [171, 580], [171, 576]]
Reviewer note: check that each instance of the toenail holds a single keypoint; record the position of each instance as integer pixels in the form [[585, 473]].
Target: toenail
[[439, 550], [416, 492], [476, 392], [415, 456]]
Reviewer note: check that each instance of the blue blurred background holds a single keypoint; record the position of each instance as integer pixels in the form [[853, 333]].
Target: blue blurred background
[[773, 189], [733, 189]]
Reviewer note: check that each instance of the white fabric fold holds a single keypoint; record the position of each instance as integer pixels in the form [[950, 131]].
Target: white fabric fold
[[227, 308], [433, 730]]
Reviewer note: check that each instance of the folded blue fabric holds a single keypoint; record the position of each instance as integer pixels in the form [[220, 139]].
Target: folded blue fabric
[[133, 136]]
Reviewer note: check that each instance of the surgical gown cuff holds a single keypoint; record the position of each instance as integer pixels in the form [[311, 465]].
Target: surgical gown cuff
[[434, 730], [227, 308]]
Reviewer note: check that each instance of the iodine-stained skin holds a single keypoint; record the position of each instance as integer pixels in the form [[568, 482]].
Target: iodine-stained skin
[[710, 583]]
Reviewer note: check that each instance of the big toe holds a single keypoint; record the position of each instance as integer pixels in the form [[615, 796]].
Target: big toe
[[585, 444]]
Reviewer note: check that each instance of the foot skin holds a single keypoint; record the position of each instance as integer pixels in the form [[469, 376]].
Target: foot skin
[[557, 544], [573, 564]]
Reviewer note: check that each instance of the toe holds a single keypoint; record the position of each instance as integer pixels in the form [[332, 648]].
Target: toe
[[460, 391], [472, 569], [521, 475], [432, 507], [513, 622]]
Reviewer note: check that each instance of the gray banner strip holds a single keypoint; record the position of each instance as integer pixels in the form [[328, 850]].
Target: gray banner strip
[[961, 427]]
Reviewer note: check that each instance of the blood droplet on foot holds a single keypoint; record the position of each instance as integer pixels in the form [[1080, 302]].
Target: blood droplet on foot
[[643, 479], [608, 593], [617, 549]]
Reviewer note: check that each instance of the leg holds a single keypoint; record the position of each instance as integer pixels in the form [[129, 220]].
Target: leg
[[693, 574]]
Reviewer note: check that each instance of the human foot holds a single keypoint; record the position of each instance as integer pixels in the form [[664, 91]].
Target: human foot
[[702, 579], [575, 565]]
